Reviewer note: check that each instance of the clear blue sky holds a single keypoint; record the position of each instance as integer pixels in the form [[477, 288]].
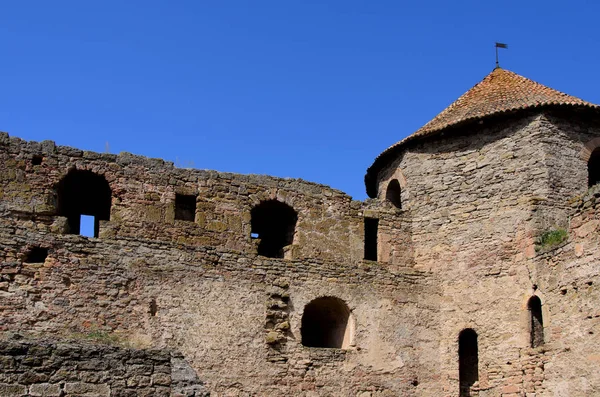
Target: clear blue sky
[[306, 89]]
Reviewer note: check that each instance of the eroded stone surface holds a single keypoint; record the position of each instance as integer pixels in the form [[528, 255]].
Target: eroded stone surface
[[459, 254]]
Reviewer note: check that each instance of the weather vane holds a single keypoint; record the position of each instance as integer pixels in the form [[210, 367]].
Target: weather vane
[[499, 45]]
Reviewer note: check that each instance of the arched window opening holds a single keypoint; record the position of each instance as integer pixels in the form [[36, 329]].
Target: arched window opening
[[468, 361], [536, 336], [326, 322], [594, 168], [274, 223], [84, 194], [392, 193]]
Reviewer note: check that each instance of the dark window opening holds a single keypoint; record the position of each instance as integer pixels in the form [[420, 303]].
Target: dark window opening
[[325, 323], [392, 193], [594, 168], [536, 336], [36, 255], [37, 160], [153, 307], [84, 193], [371, 227], [468, 361], [274, 223], [185, 207]]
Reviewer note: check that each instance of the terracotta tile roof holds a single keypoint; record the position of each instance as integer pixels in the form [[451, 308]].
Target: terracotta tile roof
[[501, 91]]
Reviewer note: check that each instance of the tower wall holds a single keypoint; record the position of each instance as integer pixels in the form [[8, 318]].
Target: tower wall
[[479, 199]]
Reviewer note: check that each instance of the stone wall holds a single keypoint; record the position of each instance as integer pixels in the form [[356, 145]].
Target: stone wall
[[143, 193], [565, 157], [70, 369], [464, 251], [569, 277], [213, 305], [200, 287]]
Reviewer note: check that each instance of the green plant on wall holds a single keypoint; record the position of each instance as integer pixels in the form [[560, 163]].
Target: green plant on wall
[[95, 335], [550, 239]]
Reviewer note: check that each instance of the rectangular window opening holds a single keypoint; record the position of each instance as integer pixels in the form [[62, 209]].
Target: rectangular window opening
[[371, 228], [87, 226], [185, 207], [37, 160], [36, 255]]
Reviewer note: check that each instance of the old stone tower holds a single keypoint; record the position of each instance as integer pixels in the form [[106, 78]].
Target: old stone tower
[[471, 271]]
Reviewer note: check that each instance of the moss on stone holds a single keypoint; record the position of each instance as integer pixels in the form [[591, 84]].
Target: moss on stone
[[550, 239]]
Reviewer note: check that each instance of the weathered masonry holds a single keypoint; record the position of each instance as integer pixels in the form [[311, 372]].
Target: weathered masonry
[[471, 270]]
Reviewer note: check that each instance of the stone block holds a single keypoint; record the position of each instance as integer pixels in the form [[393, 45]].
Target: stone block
[[138, 381], [87, 389], [161, 379], [510, 389], [12, 390], [31, 377], [45, 390]]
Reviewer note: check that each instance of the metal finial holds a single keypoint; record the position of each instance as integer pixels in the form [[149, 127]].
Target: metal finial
[[499, 45]]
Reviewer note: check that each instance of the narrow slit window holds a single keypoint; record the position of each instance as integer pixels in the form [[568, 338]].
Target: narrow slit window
[[371, 230], [152, 307], [468, 361], [185, 207], [536, 336]]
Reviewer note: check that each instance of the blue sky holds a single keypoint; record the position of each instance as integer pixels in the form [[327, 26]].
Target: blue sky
[[305, 89]]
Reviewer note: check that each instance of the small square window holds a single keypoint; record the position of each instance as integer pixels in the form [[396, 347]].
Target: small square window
[[37, 160], [36, 255], [185, 207]]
